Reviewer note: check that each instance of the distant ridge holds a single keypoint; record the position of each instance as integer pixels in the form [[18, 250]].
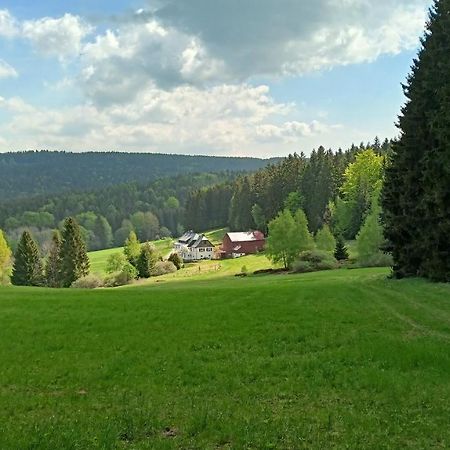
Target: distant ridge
[[38, 172]]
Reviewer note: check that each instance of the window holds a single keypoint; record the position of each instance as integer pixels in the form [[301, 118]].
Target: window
[[201, 249], [209, 249]]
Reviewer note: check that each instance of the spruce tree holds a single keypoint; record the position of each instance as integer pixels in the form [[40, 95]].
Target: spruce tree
[[341, 252], [147, 260], [53, 264], [74, 259], [416, 194], [27, 269]]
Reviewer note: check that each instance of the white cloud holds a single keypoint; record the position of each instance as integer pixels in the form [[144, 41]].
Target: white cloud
[[61, 37], [222, 119], [8, 24], [7, 71]]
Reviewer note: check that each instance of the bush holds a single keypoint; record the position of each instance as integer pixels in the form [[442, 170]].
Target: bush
[[88, 282], [162, 268], [380, 259], [314, 260], [115, 262], [176, 259], [126, 276]]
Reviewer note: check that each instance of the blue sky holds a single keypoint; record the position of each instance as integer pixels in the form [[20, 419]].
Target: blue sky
[[260, 78]]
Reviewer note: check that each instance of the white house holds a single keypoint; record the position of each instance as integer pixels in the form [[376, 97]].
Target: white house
[[194, 247]]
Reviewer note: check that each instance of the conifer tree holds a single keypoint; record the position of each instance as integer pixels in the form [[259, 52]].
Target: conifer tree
[[416, 194], [74, 259], [53, 264], [27, 269], [147, 260], [5, 258], [341, 252]]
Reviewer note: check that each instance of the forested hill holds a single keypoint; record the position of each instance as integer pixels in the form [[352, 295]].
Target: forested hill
[[42, 172]]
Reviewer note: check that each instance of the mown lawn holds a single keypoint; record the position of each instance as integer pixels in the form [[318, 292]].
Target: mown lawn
[[344, 359]]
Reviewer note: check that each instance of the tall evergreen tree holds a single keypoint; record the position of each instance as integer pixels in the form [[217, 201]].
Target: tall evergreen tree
[[74, 259], [147, 260], [27, 269], [53, 263], [416, 194]]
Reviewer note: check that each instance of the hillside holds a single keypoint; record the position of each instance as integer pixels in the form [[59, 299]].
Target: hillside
[[332, 359], [44, 172]]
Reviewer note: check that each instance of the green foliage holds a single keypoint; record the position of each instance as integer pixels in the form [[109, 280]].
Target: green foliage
[[172, 203], [370, 240], [74, 259], [176, 260], [288, 236], [325, 239], [126, 275], [314, 260], [147, 260], [362, 179], [115, 262], [146, 225], [27, 269], [341, 251], [259, 218], [132, 249], [293, 202], [416, 195], [53, 263], [5, 259]]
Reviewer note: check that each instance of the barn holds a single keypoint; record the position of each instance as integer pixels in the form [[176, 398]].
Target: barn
[[239, 244]]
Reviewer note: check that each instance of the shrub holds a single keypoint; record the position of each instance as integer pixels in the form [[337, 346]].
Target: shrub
[[88, 282], [126, 276], [380, 259], [176, 259], [115, 262], [314, 260], [162, 268], [244, 269]]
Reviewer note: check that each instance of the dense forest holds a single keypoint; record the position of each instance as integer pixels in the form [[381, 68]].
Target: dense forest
[[43, 172], [240, 201], [153, 210], [336, 188]]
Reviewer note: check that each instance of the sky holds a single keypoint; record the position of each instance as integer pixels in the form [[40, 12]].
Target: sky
[[220, 77]]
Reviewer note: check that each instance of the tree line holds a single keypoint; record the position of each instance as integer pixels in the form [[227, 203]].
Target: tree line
[[28, 173], [334, 188]]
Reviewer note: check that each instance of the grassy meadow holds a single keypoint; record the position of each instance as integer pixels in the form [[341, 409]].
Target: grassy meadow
[[99, 258], [345, 359]]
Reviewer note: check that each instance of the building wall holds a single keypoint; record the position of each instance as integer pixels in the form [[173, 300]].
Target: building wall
[[248, 247]]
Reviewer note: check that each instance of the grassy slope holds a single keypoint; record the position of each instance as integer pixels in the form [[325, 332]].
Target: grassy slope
[[99, 258], [164, 246], [344, 358]]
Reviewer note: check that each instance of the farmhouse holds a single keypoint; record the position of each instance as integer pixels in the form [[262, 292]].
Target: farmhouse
[[194, 247], [239, 244]]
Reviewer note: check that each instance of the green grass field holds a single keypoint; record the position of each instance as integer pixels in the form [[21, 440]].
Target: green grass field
[[341, 359]]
